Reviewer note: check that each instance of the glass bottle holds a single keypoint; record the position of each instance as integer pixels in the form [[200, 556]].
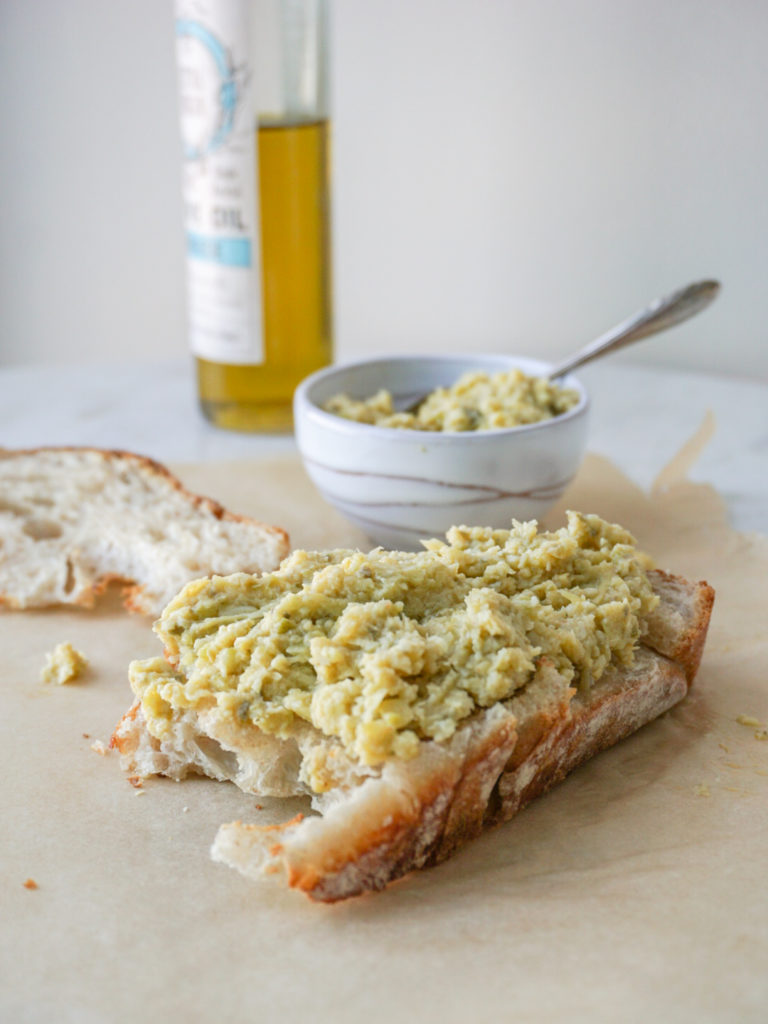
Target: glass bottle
[[255, 132]]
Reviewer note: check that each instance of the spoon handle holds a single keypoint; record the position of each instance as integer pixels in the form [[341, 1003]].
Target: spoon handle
[[661, 314]]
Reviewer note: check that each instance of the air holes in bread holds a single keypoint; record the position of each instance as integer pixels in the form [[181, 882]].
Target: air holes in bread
[[42, 529]]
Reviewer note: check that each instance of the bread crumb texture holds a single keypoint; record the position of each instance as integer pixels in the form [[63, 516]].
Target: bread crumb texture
[[30, 883], [477, 401], [385, 649], [63, 664]]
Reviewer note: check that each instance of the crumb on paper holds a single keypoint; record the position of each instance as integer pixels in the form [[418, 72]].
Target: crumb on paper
[[139, 792], [184, 810], [702, 789], [136, 781], [63, 664], [259, 807], [30, 884], [748, 720], [98, 748], [761, 732], [86, 735]]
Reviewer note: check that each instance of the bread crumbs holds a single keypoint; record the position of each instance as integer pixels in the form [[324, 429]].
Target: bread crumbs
[[31, 884], [98, 748], [748, 720], [63, 664], [761, 732]]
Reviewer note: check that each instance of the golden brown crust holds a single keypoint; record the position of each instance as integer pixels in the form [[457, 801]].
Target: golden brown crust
[[618, 705], [447, 812], [687, 645], [452, 810], [490, 747], [409, 815], [124, 738]]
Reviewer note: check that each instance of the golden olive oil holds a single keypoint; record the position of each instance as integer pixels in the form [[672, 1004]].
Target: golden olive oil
[[294, 201]]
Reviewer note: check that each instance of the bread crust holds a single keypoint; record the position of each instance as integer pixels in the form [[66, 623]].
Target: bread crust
[[618, 705], [684, 645], [449, 813]]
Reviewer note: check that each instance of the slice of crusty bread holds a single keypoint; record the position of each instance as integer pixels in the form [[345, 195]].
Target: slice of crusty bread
[[375, 825], [72, 519]]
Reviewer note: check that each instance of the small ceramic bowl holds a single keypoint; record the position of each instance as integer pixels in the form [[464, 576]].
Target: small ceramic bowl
[[400, 486]]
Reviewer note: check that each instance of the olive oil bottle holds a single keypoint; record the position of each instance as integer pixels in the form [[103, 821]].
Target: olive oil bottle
[[255, 130]]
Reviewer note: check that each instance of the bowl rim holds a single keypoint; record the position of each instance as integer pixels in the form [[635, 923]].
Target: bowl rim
[[330, 420]]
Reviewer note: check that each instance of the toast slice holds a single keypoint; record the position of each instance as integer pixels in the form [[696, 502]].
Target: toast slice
[[73, 519], [377, 823]]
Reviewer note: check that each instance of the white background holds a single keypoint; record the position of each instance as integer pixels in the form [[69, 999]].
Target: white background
[[508, 175]]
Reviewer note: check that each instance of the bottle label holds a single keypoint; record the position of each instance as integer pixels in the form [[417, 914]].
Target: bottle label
[[220, 180]]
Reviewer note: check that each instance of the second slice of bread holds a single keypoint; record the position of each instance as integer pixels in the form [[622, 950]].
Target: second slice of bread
[[72, 519], [375, 825]]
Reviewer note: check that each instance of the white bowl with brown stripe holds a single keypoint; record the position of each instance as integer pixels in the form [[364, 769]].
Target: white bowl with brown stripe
[[400, 486]]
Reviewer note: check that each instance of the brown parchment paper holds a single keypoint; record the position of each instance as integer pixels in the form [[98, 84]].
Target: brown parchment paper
[[634, 891]]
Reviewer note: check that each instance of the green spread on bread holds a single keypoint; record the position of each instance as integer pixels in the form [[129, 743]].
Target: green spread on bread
[[385, 649]]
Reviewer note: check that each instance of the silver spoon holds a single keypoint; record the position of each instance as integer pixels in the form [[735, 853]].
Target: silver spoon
[[658, 316], [661, 314]]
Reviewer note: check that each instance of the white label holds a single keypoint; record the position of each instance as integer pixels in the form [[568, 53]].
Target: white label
[[218, 130]]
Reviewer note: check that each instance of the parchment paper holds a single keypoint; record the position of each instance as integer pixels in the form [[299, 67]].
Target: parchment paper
[[634, 891]]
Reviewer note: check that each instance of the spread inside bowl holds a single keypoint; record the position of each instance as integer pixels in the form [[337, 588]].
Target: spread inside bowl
[[477, 401]]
